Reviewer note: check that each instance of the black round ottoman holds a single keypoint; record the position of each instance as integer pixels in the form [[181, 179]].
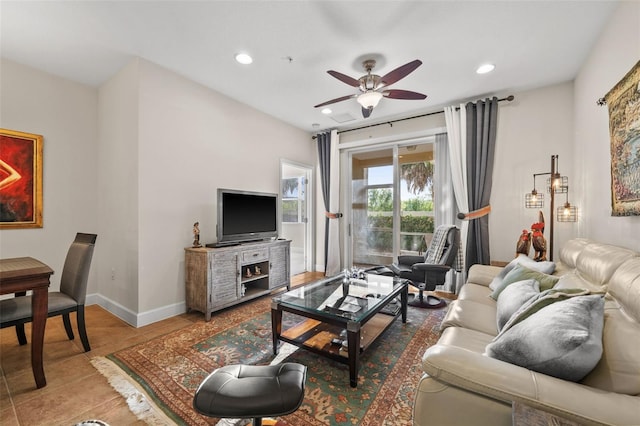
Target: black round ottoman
[[251, 391]]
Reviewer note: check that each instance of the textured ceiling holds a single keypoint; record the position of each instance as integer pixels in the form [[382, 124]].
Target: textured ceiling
[[294, 43]]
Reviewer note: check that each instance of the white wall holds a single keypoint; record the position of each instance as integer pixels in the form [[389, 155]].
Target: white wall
[[192, 141], [615, 53], [532, 128], [118, 157], [65, 114]]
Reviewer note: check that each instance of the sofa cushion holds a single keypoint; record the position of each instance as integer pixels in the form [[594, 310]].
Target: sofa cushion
[[619, 368], [625, 287], [513, 297], [521, 272], [573, 280], [476, 292], [571, 250], [483, 274], [465, 338], [472, 315], [563, 339], [545, 267], [597, 262]]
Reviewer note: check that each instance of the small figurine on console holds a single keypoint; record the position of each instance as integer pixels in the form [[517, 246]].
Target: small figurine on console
[[258, 270], [524, 243], [196, 235], [248, 274]]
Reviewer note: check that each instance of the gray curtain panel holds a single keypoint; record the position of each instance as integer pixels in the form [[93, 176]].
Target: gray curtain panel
[[324, 160], [482, 120]]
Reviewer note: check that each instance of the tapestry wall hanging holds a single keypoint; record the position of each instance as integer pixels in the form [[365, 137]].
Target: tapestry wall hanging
[[624, 129], [20, 180]]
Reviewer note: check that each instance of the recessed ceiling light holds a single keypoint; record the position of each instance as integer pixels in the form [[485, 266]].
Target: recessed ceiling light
[[483, 69], [326, 111], [244, 58]]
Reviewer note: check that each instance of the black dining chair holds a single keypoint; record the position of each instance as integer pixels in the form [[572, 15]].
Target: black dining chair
[[71, 297]]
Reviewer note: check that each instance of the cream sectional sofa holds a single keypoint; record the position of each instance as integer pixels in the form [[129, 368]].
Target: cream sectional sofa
[[461, 385]]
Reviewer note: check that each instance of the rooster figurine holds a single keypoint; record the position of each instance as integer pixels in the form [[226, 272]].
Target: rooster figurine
[[538, 240], [524, 243]]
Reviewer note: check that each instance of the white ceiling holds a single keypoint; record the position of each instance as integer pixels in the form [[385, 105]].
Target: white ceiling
[[294, 43]]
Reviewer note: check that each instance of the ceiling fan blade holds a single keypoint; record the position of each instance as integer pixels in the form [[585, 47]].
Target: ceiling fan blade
[[366, 112], [345, 78], [333, 101], [399, 73], [402, 94]]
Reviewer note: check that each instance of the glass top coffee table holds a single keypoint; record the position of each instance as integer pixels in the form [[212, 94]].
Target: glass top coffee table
[[342, 320]]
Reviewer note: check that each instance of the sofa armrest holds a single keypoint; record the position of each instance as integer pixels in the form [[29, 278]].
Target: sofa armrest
[[499, 380], [483, 274]]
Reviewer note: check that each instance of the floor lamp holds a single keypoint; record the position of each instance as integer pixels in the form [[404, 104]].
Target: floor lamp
[[556, 184]]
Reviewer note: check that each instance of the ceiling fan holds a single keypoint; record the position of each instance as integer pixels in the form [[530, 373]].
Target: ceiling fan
[[373, 87]]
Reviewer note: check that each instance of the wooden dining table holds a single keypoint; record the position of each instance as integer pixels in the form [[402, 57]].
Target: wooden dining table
[[19, 275]]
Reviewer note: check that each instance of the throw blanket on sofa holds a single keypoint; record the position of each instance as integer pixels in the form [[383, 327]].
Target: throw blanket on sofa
[[438, 244]]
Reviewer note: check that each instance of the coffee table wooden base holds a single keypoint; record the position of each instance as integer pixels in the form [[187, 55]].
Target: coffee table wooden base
[[316, 334]]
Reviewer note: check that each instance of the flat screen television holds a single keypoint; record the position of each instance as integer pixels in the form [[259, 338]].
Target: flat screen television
[[246, 216]]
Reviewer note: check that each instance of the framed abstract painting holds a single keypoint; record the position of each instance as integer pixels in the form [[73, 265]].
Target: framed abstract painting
[[20, 180], [624, 129]]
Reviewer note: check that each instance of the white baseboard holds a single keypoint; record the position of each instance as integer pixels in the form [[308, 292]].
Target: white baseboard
[[133, 318]]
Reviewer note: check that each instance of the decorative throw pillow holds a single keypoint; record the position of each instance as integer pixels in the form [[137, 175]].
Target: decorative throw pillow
[[521, 272], [522, 259], [563, 339], [513, 297], [541, 300]]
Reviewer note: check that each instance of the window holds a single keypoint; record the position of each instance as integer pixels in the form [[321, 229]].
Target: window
[[293, 205]]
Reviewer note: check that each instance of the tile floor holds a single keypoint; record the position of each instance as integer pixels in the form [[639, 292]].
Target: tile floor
[[75, 390]]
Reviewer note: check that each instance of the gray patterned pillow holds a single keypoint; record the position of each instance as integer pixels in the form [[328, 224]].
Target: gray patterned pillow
[[546, 267], [520, 273], [513, 297], [563, 339]]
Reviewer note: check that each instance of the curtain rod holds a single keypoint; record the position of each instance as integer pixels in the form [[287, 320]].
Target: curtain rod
[[390, 123]]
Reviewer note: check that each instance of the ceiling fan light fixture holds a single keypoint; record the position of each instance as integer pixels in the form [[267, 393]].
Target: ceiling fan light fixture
[[369, 99], [244, 58], [485, 68]]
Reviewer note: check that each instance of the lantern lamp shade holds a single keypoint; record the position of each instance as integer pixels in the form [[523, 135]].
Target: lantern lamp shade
[[567, 213], [534, 200], [561, 184]]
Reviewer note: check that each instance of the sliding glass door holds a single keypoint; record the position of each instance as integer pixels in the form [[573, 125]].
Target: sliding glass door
[[372, 218], [391, 203], [416, 167]]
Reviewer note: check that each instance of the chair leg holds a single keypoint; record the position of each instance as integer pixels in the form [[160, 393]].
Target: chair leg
[[67, 326], [22, 337], [257, 421], [82, 330]]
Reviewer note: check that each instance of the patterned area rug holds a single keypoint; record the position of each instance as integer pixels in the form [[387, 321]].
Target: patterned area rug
[[170, 368]]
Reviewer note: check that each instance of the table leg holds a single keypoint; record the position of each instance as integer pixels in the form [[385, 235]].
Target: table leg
[[39, 303], [276, 326], [353, 341], [404, 297]]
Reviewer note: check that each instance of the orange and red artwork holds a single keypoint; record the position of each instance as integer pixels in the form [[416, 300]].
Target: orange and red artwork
[[20, 180]]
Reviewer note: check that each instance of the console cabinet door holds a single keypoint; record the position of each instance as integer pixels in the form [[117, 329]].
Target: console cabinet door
[[279, 265], [224, 277], [197, 281]]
